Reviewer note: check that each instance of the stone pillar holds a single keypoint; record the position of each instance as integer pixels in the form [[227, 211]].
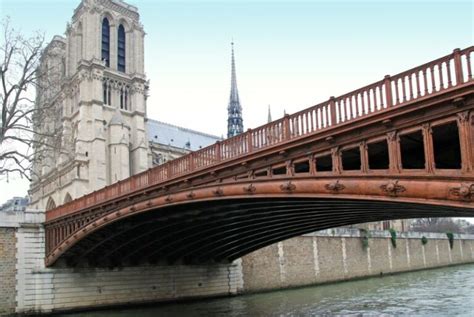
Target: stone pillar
[[21, 252]]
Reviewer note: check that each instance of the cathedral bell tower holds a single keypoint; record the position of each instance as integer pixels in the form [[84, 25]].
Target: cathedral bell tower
[[102, 102]]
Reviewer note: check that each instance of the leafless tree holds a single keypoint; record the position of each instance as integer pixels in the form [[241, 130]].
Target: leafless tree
[[436, 225], [22, 136], [470, 229]]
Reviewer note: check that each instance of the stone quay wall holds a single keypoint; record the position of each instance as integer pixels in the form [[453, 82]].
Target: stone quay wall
[[339, 254], [326, 256], [10, 223], [28, 287]]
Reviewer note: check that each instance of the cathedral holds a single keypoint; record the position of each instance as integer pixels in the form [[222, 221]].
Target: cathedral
[[95, 90]]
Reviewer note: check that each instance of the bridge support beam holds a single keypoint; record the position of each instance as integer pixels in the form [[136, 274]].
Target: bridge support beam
[[466, 137]]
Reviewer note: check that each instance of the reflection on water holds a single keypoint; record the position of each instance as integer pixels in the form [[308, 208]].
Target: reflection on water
[[441, 292]]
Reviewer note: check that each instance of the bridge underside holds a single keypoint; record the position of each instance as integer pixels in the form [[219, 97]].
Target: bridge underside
[[224, 230]]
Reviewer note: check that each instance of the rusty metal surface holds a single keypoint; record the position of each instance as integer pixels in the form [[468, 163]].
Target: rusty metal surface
[[243, 168], [222, 230]]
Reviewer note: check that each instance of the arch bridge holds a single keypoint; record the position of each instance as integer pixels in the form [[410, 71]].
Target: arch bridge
[[402, 147]]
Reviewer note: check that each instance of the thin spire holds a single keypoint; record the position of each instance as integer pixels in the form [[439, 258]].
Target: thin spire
[[234, 121], [234, 93], [269, 114]]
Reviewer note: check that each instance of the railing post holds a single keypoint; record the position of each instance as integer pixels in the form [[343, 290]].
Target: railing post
[[249, 140], [218, 151], [286, 126], [332, 107], [388, 90], [169, 170], [458, 66], [191, 161]]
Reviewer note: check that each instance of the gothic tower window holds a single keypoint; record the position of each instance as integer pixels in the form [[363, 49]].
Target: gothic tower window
[[106, 41], [122, 98], [121, 49], [126, 100], [104, 88], [107, 93]]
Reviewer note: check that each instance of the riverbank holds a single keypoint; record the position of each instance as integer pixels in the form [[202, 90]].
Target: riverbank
[[323, 257], [445, 291], [344, 254]]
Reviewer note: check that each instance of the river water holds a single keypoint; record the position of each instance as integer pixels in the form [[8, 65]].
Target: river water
[[440, 292]]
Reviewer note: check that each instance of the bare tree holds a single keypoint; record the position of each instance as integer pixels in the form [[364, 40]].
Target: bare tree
[[470, 229], [22, 136], [436, 225]]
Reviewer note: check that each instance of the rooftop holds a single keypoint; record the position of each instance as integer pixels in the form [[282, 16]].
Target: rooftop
[[168, 134]]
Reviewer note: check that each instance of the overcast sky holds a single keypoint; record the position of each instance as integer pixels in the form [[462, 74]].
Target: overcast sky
[[289, 54]]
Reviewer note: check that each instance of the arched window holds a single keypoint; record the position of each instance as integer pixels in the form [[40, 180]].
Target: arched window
[[126, 99], [50, 204], [67, 198], [122, 98], [104, 89], [121, 49], [106, 41], [107, 93]]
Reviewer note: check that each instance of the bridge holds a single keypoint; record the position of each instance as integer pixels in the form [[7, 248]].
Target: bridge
[[402, 147]]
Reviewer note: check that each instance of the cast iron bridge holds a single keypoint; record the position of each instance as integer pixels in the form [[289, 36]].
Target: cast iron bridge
[[402, 147]]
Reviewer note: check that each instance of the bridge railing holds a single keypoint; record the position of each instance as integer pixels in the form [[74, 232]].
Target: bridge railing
[[392, 91]]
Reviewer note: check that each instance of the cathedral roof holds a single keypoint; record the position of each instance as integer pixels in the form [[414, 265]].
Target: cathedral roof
[[168, 134]]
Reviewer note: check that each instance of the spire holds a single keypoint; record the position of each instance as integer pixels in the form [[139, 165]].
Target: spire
[[234, 121], [269, 114]]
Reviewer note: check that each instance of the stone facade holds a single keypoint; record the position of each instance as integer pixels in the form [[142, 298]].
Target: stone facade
[[97, 108], [93, 93]]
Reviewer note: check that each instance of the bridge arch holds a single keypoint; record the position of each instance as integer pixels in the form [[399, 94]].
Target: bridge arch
[[222, 223]]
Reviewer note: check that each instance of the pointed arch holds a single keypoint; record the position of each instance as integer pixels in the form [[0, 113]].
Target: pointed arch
[[106, 41], [67, 198], [50, 204], [79, 42], [121, 44]]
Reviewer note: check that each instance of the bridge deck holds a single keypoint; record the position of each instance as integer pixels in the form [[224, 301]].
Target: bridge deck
[[401, 120], [417, 84]]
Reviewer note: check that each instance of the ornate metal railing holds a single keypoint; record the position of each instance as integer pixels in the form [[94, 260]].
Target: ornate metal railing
[[415, 84]]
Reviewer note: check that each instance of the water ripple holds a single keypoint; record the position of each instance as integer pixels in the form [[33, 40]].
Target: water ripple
[[440, 292]]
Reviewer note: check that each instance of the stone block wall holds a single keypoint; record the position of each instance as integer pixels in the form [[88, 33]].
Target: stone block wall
[[338, 254], [43, 290], [7, 270]]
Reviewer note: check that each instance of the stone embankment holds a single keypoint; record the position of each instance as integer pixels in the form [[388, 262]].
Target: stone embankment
[[322, 257], [343, 254]]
